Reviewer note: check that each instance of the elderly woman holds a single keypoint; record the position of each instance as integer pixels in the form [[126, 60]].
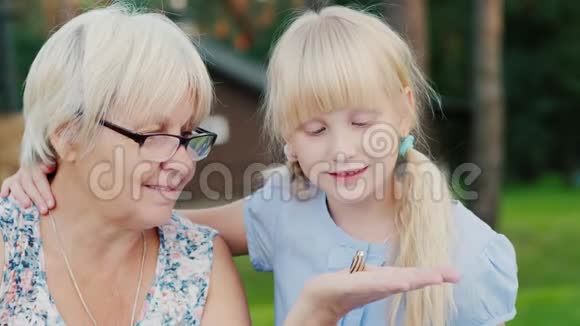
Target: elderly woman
[[113, 99]]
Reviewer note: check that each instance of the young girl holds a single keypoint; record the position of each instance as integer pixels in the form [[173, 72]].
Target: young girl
[[346, 99]]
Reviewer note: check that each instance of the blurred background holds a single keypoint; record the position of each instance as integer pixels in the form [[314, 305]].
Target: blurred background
[[509, 76]]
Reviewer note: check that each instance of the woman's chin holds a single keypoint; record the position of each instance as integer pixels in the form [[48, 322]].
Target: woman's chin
[[155, 216]]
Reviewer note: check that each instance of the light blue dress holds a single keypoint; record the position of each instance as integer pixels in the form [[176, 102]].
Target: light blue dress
[[298, 240]]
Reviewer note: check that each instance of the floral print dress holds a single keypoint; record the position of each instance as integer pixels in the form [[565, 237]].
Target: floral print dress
[[179, 290]]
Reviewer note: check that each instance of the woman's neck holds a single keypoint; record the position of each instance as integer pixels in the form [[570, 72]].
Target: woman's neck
[[87, 226]]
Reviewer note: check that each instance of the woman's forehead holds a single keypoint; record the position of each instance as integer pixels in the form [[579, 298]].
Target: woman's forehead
[[161, 119]]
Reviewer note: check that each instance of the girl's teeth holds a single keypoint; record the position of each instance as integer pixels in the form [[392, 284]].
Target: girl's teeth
[[348, 173]]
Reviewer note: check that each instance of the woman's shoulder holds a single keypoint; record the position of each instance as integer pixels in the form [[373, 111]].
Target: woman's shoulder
[[12, 214], [186, 256], [183, 230], [9, 208], [18, 232], [187, 247]]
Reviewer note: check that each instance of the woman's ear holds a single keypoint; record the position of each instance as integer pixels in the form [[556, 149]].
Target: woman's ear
[[65, 150]]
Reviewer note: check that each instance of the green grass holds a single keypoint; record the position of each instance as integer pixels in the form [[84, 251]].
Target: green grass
[[260, 291], [543, 222]]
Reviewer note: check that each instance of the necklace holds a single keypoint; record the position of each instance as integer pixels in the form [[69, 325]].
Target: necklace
[[73, 279], [387, 239]]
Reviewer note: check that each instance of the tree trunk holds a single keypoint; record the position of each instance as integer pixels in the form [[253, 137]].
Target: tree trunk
[[50, 9], [68, 10], [58, 12], [409, 18], [488, 105]]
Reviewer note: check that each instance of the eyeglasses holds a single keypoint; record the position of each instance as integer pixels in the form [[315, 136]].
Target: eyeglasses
[[159, 147]]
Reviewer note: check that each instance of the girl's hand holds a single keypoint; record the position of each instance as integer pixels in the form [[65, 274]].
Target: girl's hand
[[328, 297], [30, 185]]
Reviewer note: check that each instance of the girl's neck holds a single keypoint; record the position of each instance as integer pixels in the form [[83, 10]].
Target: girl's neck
[[371, 220]]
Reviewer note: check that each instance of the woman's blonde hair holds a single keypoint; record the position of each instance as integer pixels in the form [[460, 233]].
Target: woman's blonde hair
[[116, 62], [339, 58]]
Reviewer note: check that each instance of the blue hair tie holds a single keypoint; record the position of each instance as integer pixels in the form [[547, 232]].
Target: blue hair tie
[[406, 145]]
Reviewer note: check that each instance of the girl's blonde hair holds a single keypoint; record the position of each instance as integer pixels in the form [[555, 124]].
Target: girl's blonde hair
[[115, 62], [338, 58]]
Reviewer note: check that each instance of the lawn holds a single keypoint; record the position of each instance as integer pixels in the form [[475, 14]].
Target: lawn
[[543, 222]]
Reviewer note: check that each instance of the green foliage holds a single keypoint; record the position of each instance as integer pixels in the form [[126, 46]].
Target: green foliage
[[27, 35], [541, 79], [215, 19], [542, 84], [541, 68]]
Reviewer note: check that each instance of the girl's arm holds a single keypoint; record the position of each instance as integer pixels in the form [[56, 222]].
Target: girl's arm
[[226, 302], [30, 185], [228, 220]]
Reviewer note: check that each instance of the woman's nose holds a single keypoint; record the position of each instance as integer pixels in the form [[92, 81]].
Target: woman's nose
[[181, 162]]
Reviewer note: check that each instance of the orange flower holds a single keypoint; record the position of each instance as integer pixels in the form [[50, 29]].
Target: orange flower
[[242, 42], [221, 29]]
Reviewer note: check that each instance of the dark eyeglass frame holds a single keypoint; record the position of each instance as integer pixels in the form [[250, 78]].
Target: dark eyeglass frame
[[140, 138]]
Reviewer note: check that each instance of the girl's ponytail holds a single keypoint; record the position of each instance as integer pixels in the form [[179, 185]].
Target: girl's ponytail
[[424, 223]]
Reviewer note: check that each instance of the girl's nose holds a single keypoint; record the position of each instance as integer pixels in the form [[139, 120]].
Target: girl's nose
[[344, 147]]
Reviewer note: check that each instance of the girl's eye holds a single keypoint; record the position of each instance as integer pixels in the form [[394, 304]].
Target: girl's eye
[[186, 134], [361, 124], [316, 131]]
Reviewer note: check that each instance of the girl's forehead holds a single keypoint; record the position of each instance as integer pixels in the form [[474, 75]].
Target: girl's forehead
[[384, 110], [345, 113], [308, 101]]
